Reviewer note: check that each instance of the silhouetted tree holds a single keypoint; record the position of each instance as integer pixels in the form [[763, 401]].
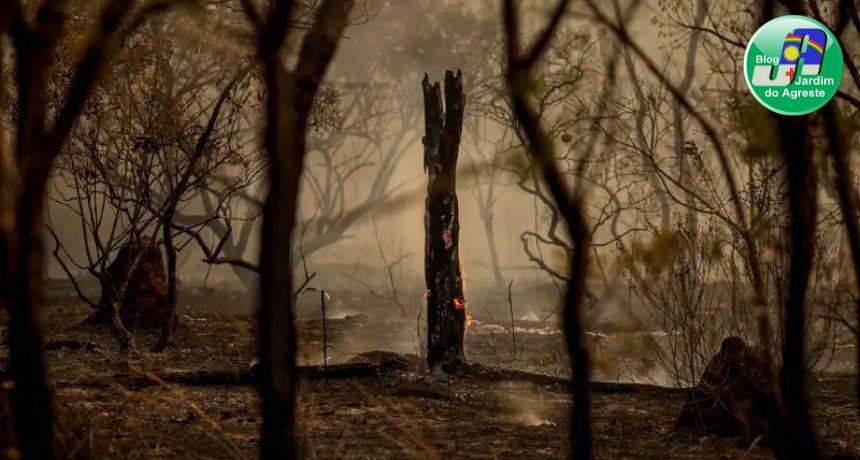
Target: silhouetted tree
[[570, 203], [799, 439], [289, 101], [26, 157]]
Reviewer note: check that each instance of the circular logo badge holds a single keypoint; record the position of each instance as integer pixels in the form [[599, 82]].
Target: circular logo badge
[[793, 65]]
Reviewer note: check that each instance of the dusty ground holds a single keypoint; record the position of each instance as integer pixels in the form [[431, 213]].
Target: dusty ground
[[398, 416]]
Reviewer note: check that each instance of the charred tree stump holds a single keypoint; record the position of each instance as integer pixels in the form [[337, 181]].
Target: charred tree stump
[[446, 305]]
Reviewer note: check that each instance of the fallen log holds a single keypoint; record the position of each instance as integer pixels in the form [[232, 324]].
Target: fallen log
[[484, 372], [237, 377], [57, 343], [69, 344]]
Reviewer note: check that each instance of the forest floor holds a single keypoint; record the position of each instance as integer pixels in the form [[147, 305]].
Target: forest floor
[[106, 412]]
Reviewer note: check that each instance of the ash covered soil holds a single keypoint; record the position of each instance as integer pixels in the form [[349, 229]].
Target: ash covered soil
[[104, 414]]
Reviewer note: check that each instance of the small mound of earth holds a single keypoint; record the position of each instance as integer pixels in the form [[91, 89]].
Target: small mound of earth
[[735, 396], [145, 303]]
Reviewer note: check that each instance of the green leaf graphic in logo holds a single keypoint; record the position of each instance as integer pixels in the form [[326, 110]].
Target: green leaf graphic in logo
[[793, 65]]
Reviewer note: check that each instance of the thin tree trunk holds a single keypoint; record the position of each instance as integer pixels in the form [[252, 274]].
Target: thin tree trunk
[[799, 440], [170, 251], [570, 204], [679, 138], [22, 282], [498, 280], [23, 181], [446, 304], [284, 141], [487, 218], [289, 100], [110, 302]]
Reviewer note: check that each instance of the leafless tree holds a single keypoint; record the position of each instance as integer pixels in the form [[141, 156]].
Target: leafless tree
[[364, 140], [148, 142], [678, 277], [838, 141], [488, 181], [570, 203], [32, 142], [569, 109], [289, 100], [745, 213]]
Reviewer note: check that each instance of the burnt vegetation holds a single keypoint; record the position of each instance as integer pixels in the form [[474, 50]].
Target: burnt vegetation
[[212, 216]]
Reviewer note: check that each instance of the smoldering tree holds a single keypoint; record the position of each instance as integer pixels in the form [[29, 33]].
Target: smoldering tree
[[470, 32], [446, 303]]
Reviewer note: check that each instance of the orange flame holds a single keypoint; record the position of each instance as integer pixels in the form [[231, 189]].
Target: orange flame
[[446, 237], [459, 303]]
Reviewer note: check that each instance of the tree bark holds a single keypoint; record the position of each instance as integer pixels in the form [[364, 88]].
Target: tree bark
[[24, 176], [446, 305], [571, 206], [110, 301], [21, 286], [289, 100], [799, 441]]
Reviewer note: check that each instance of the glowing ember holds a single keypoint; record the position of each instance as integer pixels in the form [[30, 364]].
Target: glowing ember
[[446, 237], [459, 303]]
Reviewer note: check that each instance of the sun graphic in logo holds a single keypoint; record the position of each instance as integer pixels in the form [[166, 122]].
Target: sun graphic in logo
[[791, 53]]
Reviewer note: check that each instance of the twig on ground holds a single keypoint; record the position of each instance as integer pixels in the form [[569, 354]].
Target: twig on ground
[[513, 328], [325, 332]]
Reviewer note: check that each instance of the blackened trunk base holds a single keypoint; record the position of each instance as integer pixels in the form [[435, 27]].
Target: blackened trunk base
[[446, 304], [446, 312]]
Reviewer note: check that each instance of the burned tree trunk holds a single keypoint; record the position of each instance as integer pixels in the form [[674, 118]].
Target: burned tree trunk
[[446, 305]]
